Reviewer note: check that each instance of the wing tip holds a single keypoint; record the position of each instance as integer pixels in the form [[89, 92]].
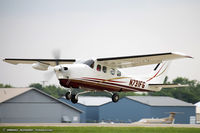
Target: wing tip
[[183, 55]]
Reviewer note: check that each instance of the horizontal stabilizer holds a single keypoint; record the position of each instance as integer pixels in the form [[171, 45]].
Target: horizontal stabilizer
[[158, 87]]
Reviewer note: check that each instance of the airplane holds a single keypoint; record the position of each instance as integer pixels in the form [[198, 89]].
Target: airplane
[[103, 74], [166, 120]]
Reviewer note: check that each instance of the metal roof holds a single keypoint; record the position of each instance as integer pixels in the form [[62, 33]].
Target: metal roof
[[9, 93], [159, 101], [197, 104], [93, 100]]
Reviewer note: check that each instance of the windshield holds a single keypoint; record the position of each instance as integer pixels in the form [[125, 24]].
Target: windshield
[[90, 63]]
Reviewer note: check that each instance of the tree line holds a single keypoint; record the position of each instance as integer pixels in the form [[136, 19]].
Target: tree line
[[189, 94]]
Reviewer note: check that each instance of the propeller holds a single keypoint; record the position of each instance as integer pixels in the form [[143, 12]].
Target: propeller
[[49, 74], [56, 55]]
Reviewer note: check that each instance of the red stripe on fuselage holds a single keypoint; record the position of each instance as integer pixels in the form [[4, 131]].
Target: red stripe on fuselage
[[97, 85], [109, 80]]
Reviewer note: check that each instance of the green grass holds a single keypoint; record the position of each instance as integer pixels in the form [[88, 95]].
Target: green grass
[[104, 129]]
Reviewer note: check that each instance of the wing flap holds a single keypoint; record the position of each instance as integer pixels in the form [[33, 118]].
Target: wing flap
[[139, 60], [51, 62]]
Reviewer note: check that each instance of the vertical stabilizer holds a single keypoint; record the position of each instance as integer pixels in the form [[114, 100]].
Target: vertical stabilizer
[[159, 72]]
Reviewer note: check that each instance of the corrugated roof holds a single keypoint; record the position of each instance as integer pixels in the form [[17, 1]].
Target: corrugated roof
[[93, 100], [159, 101], [9, 93]]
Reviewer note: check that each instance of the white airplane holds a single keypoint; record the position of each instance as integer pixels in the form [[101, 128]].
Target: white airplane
[[102, 74], [166, 120]]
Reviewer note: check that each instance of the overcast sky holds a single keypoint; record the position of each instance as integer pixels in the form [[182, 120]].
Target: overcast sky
[[97, 28]]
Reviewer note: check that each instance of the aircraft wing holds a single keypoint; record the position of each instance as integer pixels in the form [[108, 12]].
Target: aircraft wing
[[139, 60], [51, 62]]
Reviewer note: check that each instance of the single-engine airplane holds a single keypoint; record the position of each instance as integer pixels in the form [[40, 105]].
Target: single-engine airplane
[[103, 74]]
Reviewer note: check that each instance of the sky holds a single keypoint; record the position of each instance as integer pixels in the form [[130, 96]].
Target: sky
[[97, 28]]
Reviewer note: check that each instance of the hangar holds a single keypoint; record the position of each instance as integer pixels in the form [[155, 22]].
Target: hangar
[[90, 107], [29, 105], [197, 112], [133, 108]]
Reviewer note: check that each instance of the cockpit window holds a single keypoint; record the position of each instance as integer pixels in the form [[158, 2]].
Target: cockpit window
[[90, 63]]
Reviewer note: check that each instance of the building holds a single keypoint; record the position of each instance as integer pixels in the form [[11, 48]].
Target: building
[[197, 112], [90, 107], [133, 108], [29, 105]]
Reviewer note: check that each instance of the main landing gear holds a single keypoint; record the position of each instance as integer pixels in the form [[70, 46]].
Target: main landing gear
[[74, 97], [115, 97]]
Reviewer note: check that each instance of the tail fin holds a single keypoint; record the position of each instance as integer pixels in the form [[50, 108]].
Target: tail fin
[[158, 72]]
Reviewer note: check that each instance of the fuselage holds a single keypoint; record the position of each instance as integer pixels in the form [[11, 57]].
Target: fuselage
[[93, 76]]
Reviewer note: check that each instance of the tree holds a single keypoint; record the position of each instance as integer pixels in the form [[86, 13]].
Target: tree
[[52, 90], [5, 86], [36, 85]]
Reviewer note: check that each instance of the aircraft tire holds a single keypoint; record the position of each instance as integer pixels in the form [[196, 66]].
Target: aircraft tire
[[73, 99], [68, 96], [115, 97]]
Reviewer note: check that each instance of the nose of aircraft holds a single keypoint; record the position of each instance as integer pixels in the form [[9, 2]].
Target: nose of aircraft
[[60, 68], [57, 68]]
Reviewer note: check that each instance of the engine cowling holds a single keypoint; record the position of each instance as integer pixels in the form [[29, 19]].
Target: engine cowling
[[40, 66]]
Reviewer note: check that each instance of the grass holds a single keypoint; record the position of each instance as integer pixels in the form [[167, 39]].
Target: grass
[[100, 129]]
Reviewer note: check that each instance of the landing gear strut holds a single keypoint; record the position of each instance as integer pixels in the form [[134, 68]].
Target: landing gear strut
[[74, 97], [115, 96]]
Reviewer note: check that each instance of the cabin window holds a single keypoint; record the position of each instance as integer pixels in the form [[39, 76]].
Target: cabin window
[[98, 67], [112, 71], [118, 73], [104, 69]]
